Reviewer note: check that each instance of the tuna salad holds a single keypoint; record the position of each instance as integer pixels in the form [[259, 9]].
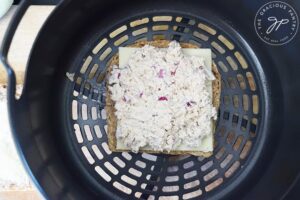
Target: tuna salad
[[163, 99]]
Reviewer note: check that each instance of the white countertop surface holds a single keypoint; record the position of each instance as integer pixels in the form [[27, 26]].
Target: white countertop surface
[[24, 37]]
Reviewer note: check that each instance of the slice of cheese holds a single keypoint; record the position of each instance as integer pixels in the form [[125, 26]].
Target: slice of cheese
[[206, 145]]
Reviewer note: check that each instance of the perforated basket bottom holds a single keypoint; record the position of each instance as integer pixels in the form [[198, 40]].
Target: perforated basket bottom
[[146, 176]]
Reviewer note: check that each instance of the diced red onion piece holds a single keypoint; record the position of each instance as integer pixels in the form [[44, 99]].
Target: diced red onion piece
[[162, 99], [174, 72], [161, 73]]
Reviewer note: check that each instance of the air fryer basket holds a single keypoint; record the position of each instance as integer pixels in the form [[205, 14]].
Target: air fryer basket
[[60, 125]]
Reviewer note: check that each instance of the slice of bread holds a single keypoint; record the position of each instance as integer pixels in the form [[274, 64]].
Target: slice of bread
[[110, 109]]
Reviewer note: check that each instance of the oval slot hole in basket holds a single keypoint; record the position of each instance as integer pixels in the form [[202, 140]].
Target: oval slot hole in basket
[[140, 164], [207, 165], [122, 187], [251, 81], [246, 149], [226, 42], [149, 156], [151, 197], [102, 173], [192, 195], [210, 175], [162, 18], [126, 155], [191, 184], [78, 133], [220, 153], [135, 172], [129, 180], [255, 104], [232, 169], [188, 164], [241, 60], [173, 169], [200, 36], [158, 37], [94, 113], [207, 28], [241, 81], [101, 77], [245, 102], [225, 162], [218, 47], [195, 43], [238, 143], [103, 114], [166, 198], [118, 31], [222, 66], [87, 155], [88, 132], [93, 71], [85, 65], [214, 184], [97, 152], [230, 137], [111, 168], [235, 101], [105, 54], [232, 63], [173, 188], [84, 112], [190, 174], [139, 22], [74, 110], [105, 147], [121, 40], [231, 82], [226, 100], [97, 131], [100, 45], [105, 128], [171, 178], [140, 31], [138, 195], [160, 28], [119, 162]]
